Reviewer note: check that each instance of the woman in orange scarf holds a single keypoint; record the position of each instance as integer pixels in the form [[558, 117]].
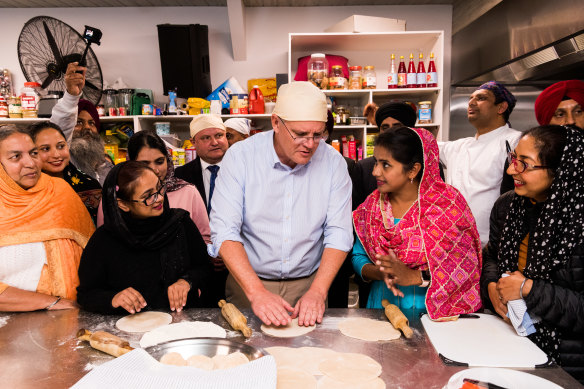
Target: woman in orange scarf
[[44, 227]]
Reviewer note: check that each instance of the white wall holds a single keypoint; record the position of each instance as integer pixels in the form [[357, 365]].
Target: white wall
[[129, 47]]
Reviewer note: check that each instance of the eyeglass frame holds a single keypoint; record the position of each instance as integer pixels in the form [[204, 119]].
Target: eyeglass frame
[[159, 192], [512, 159], [304, 139]]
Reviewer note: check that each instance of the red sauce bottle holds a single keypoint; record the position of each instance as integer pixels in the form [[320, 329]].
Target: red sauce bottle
[[421, 72], [432, 76], [402, 74]]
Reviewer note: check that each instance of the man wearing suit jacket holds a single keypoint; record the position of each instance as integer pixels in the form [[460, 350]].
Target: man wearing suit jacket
[[208, 137]]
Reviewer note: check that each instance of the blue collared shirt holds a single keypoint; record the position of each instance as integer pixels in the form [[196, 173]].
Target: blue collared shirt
[[283, 216]]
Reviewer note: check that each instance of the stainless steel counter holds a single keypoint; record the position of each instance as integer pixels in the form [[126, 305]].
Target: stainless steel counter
[[39, 349]]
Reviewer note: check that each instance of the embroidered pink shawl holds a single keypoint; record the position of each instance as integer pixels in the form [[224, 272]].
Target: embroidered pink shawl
[[437, 233]]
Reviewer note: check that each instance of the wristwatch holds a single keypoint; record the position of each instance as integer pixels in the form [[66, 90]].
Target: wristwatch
[[426, 278]]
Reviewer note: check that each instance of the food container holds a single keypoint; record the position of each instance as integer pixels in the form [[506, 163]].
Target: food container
[[270, 107], [125, 101], [358, 120], [355, 77], [111, 102], [369, 78], [205, 346], [162, 128], [337, 79], [424, 112], [317, 71], [238, 104]]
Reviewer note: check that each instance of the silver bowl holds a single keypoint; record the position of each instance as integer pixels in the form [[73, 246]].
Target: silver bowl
[[204, 346]]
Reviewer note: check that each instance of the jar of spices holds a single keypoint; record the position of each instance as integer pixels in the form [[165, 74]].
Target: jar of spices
[[369, 78], [3, 107], [14, 108], [29, 99], [355, 77], [424, 112], [337, 79], [317, 71]]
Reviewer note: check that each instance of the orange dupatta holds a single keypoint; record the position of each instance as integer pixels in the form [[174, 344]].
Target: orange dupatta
[[50, 212]]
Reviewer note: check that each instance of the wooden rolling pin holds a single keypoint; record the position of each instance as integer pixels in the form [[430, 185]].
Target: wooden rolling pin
[[105, 342], [397, 318], [235, 318]]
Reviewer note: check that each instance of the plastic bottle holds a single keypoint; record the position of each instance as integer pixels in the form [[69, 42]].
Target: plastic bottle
[[29, 99], [256, 101], [392, 75], [421, 72], [111, 145], [3, 107], [432, 76], [402, 81], [412, 79]]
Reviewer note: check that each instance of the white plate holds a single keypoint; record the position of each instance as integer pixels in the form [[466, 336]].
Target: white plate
[[506, 378]]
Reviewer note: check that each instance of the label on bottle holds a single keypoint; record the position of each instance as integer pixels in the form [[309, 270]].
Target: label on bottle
[[401, 79], [421, 79], [28, 103], [425, 115], [432, 78], [369, 82], [392, 79], [412, 79]]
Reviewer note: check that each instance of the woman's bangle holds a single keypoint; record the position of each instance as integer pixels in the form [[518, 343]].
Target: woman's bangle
[[521, 288], [53, 303]]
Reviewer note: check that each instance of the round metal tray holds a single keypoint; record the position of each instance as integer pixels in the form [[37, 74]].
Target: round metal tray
[[205, 346]]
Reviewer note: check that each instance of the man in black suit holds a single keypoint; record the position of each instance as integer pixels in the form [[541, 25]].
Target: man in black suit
[[208, 137]]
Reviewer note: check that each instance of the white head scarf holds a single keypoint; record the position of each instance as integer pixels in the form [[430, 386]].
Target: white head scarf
[[240, 125], [204, 121], [301, 101]]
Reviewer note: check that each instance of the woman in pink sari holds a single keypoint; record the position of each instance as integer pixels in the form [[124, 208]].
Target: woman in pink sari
[[416, 235]]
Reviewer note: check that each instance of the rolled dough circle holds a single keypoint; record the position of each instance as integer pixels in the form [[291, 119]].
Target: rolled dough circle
[[350, 368], [368, 329], [173, 359], [294, 378], [200, 362], [143, 321], [328, 383], [288, 331], [228, 361], [183, 330]]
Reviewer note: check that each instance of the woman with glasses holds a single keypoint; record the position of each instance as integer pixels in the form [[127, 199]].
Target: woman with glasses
[[146, 255], [417, 242], [147, 147], [534, 261]]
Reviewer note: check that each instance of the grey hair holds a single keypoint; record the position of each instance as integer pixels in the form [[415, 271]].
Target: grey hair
[[9, 130]]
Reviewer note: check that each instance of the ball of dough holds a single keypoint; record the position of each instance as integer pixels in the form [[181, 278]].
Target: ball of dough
[[230, 360], [201, 362], [173, 359]]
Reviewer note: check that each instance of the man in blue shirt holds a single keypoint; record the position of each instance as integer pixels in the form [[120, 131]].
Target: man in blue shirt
[[281, 212]]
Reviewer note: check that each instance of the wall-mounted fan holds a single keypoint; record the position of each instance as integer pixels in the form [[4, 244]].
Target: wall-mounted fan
[[46, 46]]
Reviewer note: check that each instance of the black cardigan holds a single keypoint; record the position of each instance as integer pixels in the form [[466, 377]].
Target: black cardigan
[[109, 265], [559, 303]]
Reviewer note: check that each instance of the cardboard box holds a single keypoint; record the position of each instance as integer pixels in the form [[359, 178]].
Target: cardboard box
[[361, 23]]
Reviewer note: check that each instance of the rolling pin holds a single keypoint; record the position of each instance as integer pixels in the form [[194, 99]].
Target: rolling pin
[[106, 342], [397, 318], [235, 318]]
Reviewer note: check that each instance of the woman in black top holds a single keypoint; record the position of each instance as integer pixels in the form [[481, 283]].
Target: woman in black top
[[146, 254], [537, 238]]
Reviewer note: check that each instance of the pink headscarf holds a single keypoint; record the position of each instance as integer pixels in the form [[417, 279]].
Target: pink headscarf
[[437, 233]]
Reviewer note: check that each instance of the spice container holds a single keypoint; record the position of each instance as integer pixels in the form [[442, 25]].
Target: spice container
[[29, 99], [317, 72], [355, 77], [3, 107], [369, 78], [14, 108], [337, 79], [424, 112]]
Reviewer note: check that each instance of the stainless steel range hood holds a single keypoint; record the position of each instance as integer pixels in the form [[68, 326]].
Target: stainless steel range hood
[[527, 42]]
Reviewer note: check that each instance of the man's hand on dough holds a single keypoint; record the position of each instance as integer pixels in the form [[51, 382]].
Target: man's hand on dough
[[271, 308], [129, 299], [310, 308]]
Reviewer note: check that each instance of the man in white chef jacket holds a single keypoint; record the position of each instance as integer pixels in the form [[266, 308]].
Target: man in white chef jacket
[[476, 165]]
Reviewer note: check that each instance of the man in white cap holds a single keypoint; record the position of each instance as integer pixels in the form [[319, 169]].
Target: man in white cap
[[208, 137], [237, 130], [281, 217]]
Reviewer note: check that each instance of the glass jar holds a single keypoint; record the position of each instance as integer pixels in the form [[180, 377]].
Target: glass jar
[[355, 77], [317, 71], [3, 107], [125, 101], [424, 112], [369, 78], [111, 102], [337, 79], [14, 109], [29, 99], [343, 115]]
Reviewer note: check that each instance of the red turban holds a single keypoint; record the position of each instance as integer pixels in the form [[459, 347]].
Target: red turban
[[548, 100]]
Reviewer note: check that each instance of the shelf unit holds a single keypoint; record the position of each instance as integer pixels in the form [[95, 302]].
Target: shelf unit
[[375, 49]]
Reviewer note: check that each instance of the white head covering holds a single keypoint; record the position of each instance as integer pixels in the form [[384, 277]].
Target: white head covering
[[203, 121], [301, 101], [240, 125]]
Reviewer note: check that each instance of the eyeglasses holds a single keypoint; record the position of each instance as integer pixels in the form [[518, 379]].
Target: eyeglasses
[[303, 139], [519, 165], [153, 198]]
